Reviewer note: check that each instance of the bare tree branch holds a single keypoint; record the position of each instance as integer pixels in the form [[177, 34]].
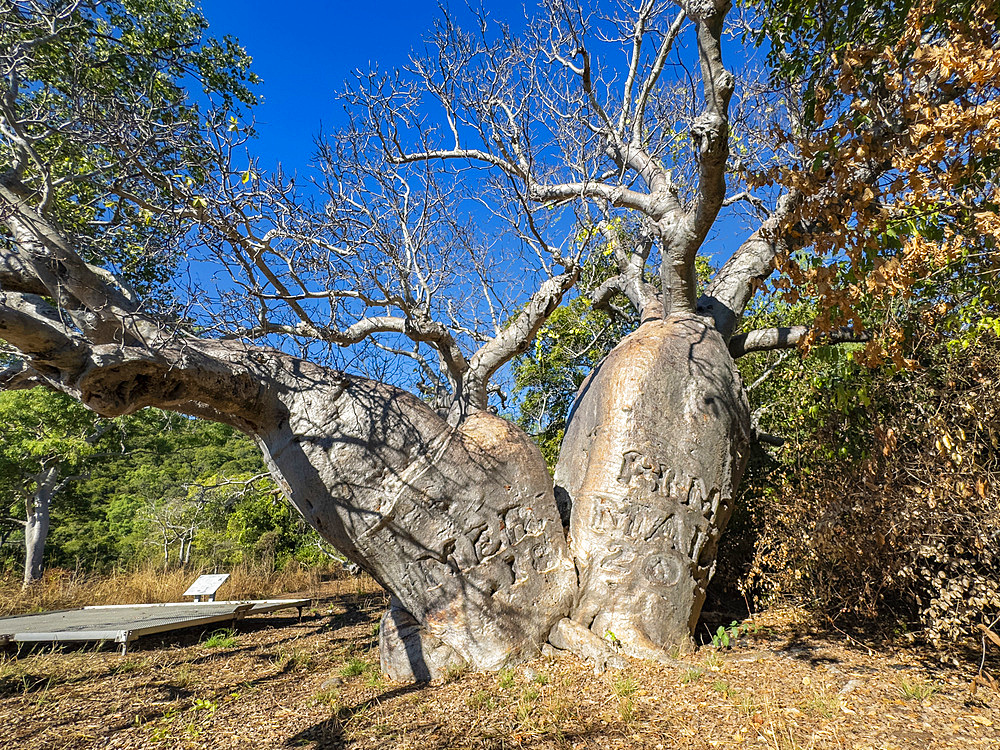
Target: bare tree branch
[[516, 337], [726, 296], [770, 339]]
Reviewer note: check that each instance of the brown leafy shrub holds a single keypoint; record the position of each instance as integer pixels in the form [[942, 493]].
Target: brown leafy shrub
[[908, 528]]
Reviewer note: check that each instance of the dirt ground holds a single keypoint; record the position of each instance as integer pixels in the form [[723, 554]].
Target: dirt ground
[[278, 683]]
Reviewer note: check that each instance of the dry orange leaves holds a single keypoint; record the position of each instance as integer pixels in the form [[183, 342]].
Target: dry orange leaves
[[896, 189]]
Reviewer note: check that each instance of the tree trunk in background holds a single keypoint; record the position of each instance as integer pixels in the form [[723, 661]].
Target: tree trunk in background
[[36, 529], [655, 447]]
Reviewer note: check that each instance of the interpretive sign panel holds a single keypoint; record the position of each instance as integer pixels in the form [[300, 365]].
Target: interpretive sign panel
[[206, 586]]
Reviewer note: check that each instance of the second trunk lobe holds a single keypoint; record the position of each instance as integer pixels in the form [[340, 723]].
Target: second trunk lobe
[[655, 446]]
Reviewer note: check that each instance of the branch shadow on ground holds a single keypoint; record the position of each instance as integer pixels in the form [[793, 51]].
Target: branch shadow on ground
[[330, 734]]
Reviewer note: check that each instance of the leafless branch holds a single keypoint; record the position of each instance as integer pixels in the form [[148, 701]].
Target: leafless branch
[[770, 339]]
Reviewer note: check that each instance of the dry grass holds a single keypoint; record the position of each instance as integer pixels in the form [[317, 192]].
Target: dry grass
[[315, 684], [62, 589]]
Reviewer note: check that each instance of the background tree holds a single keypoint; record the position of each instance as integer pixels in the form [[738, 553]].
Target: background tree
[[46, 441], [168, 462], [447, 505]]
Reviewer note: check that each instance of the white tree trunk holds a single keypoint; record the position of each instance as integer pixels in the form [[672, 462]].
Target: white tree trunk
[[36, 529]]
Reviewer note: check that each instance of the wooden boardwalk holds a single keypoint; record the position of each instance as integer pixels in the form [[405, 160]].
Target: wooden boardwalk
[[124, 623]]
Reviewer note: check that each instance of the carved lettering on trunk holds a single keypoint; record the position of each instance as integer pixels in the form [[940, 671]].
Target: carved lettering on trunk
[[619, 559]]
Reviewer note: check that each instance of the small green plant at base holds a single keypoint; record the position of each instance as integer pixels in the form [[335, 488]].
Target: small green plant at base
[[481, 699], [713, 660], [192, 730], [221, 639], [822, 705], [373, 678], [541, 678], [691, 675], [455, 671], [723, 688], [354, 667], [505, 680], [329, 698], [526, 705], [726, 637], [184, 677], [626, 710], [919, 690], [161, 730], [204, 704], [127, 666], [747, 706], [625, 686], [612, 640], [159, 733], [294, 658], [530, 694]]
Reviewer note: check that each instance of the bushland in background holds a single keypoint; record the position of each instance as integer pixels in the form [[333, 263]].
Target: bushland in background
[[883, 505], [164, 490]]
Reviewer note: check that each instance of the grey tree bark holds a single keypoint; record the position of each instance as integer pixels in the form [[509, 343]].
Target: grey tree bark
[[459, 522], [654, 450]]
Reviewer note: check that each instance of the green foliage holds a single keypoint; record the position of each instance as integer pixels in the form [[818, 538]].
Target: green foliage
[[625, 686], [571, 343], [725, 637], [917, 690], [505, 679], [806, 40], [37, 427], [154, 481], [355, 667], [112, 87], [805, 37], [43, 435], [221, 639], [165, 461], [691, 675]]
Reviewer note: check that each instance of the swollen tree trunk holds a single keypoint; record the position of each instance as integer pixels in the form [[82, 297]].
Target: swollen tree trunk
[[458, 523], [655, 447], [36, 528]]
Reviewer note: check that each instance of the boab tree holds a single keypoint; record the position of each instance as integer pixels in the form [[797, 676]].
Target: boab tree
[[112, 171]]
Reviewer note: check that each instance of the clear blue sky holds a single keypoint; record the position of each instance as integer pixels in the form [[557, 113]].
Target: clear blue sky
[[304, 50]]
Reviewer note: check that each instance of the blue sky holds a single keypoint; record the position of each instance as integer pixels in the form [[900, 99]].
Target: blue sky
[[304, 50]]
